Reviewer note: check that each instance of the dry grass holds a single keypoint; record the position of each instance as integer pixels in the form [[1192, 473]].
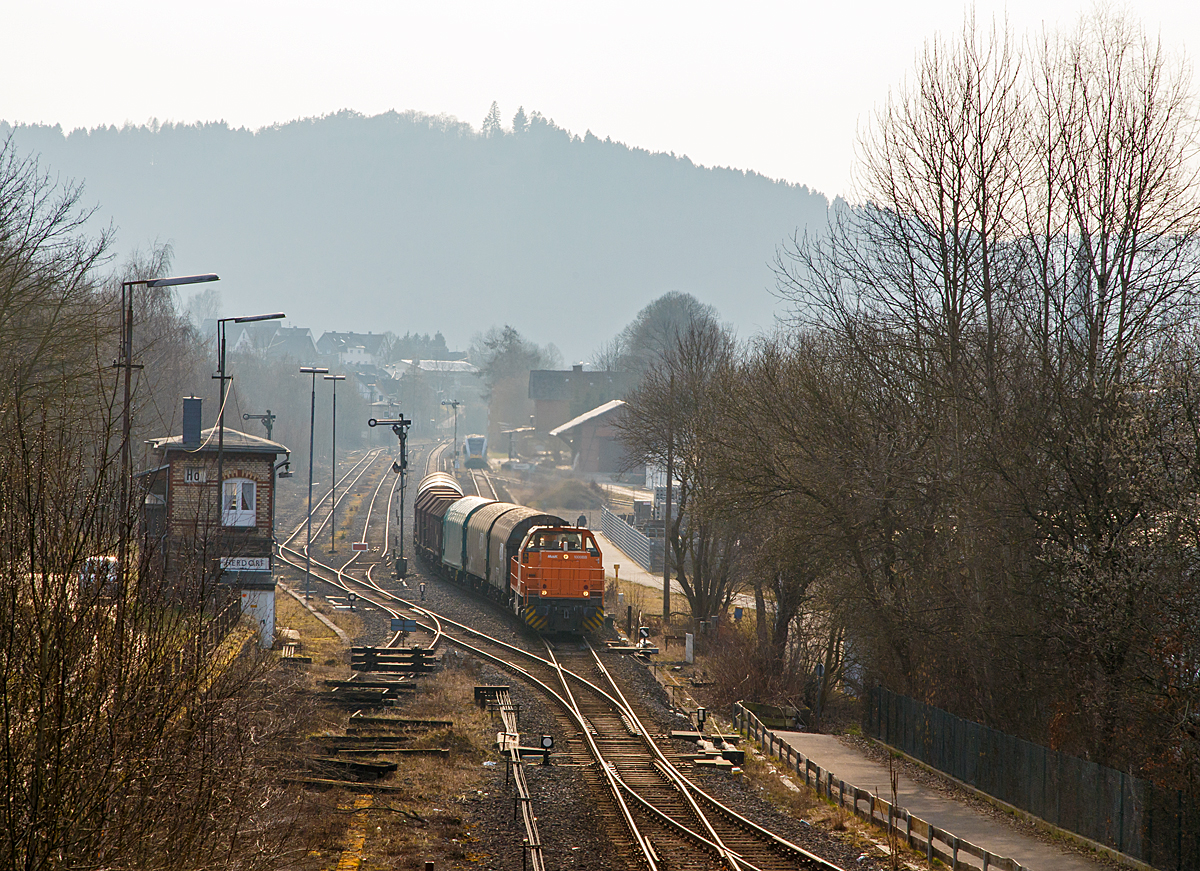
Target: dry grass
[[643, 600], [800, 802], [347, 509], [425, 818], [330, 657], [648, 601]]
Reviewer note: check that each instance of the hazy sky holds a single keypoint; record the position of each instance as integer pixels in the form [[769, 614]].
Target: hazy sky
[[775, 87]]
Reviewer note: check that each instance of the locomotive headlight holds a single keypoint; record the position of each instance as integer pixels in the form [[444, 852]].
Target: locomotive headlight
[[544, 591]]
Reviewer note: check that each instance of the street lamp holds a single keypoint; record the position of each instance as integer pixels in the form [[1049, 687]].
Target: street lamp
[[312, 420], [667, 535], [221, 322], [333, 486], [454, 403], [126, 363]]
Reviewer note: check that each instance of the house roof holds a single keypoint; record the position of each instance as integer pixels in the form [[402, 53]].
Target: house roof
[[372, 343], [236, 441], [272, 340], [558, 384], [294, 342], [444, 366], [588, 417]]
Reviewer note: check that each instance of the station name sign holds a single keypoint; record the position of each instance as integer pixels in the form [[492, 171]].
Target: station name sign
[[245, 563]]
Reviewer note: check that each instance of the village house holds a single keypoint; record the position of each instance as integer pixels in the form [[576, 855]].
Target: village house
[[559, 395], [593, 437], [351, 349]]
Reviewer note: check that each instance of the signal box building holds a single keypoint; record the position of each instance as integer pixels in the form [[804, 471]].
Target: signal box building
[[201, 534]]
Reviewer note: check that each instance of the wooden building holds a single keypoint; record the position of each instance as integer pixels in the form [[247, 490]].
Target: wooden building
[[595, 448]]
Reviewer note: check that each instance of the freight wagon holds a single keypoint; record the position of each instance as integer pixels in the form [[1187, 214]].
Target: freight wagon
[[548, 572]]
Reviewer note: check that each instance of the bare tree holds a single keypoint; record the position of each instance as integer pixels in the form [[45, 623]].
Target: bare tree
[[654, 333], [986, 437], [124, 745], [677, 400]]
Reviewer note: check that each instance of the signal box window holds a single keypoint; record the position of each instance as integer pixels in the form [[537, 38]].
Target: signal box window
[[237, 503]]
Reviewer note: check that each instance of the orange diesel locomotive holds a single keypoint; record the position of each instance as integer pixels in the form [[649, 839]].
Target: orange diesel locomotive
[[550, 573]]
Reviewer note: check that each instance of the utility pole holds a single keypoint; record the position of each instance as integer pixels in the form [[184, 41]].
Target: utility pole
[[126, 362], [333, 483]]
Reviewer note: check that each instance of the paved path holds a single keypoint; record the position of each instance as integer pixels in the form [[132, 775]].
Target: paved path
[[633, 572], [850, 765], [630, 570]]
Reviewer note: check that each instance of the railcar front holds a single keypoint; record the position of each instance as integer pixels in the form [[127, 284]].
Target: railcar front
[[557, 580], [475, 452]]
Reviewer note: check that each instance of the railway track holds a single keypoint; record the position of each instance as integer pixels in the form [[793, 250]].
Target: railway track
[[482, 482], [653, 808]]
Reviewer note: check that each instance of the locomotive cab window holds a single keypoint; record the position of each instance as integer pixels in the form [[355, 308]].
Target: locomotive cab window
[[546, 541], [238, 507]]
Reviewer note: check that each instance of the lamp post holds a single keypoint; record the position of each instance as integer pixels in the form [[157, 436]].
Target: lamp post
[[454, 403], [312, 420], [126, 362], [221, 322], [667, 512], [333, 485]]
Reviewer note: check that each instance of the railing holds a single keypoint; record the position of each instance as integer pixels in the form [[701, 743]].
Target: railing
[[648, 553], [918, 834], [1158, 826]]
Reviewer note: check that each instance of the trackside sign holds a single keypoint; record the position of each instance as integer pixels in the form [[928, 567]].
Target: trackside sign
[[245, 563]]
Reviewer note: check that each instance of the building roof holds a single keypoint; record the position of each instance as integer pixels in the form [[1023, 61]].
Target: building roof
[[444, 366], [294, 342], [588, 417], [451, 368], [269, 339], [236, 441], [333, 342], [560, 385]]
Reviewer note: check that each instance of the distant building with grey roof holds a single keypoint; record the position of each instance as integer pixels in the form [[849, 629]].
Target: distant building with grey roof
[[559, 395]]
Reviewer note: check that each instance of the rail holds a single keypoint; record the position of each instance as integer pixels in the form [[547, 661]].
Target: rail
[[498, 699], [917, 833]]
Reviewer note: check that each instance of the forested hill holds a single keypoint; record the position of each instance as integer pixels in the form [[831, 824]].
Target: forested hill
[[407, 222]]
